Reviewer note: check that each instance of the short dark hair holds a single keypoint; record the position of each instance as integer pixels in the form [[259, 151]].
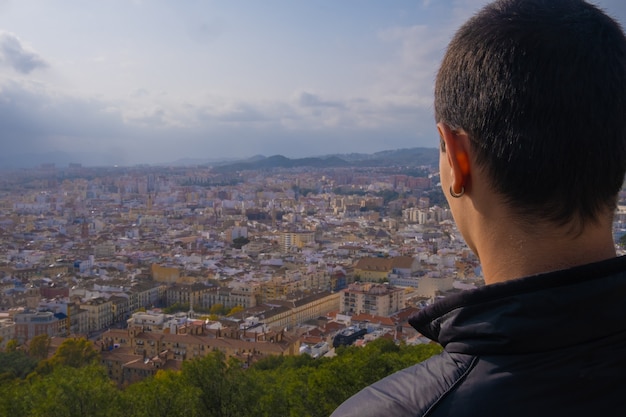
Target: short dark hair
[[540, 88]]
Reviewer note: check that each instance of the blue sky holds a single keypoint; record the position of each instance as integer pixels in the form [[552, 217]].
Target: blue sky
[[127, 82]]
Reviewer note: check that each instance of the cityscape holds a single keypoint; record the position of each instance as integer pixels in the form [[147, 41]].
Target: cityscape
[[155, 262], [183, 260], [157, 266]]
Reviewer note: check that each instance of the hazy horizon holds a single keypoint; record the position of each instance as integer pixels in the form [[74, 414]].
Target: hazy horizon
[[145, 82]]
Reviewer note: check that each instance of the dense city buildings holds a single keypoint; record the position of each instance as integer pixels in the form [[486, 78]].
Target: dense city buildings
[[158, 265]]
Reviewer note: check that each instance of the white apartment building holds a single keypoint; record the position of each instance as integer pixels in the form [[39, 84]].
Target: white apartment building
[[280, 314], [241, 294], [374, 299], [289, 240], [100, 313]]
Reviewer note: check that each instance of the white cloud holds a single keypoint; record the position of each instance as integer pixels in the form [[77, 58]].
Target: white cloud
[[17, 55]]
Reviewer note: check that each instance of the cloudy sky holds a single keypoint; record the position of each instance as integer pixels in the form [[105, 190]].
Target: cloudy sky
[[152, 81]]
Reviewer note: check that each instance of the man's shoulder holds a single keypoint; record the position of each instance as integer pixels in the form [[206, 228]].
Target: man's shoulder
[[411, 391]]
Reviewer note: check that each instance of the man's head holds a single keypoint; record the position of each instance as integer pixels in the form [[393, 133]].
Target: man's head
[[539, 86]]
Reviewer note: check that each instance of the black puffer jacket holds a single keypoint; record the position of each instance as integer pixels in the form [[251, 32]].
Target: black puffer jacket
[[547, 345]]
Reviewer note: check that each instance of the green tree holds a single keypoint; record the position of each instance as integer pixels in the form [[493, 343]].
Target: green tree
[[235, 310], [269, 362], [72, 392], [211, 385], [165, 394], [225, 387], [38, 346], [176, 307], [208, 375], [323, 395], [14, 399], [243, 391], [75, 353], [15, 364], [12, 345], [218, 309]]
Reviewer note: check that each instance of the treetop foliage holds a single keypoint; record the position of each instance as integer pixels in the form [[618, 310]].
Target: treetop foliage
[[74, 385]]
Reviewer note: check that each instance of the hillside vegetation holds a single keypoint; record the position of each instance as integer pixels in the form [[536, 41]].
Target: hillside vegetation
[[71, 383]]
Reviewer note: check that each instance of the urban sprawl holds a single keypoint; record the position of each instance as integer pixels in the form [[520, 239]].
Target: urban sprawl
[[159, 265]]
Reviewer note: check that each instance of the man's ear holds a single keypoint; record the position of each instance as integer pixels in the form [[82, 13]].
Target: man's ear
[[455, 144]]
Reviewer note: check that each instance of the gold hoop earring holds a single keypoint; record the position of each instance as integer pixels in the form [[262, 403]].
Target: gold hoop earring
[[457, 195]]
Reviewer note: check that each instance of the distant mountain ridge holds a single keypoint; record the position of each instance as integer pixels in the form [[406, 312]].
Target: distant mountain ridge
[[407, 157]]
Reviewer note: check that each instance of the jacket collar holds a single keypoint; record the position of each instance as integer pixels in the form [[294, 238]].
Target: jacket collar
[[531, 314]]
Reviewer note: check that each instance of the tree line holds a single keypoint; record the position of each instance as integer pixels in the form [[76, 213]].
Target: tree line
[[73, 383]]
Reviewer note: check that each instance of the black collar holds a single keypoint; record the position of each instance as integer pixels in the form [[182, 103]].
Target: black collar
[[535, 313]]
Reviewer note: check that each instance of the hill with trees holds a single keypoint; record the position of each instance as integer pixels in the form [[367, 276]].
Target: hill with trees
[[72, 383]]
